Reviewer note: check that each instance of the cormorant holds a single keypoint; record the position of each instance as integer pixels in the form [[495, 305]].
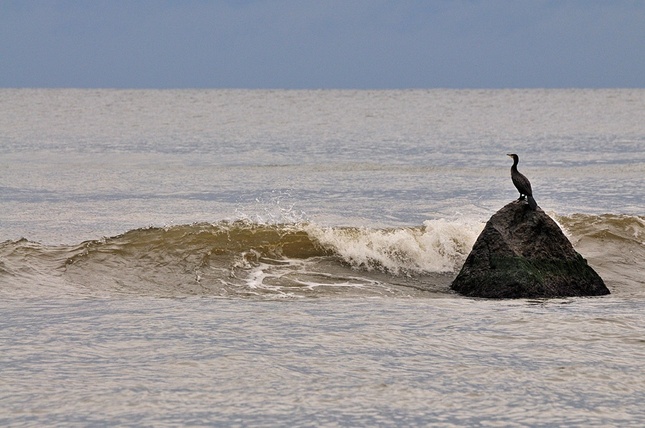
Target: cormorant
[[522, 184]]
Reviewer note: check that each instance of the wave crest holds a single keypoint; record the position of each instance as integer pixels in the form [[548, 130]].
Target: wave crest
[[615, 227], [439, 246], [246, 258]]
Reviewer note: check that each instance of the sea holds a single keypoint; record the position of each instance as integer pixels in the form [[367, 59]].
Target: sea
[[284, 258]]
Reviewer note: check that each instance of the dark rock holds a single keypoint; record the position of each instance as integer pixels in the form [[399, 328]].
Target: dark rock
[[522, 253]]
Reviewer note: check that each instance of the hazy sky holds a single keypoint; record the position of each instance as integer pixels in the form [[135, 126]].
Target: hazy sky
[[322, 43]]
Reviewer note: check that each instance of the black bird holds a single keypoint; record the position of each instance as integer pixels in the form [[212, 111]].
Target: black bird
[[522, 184]]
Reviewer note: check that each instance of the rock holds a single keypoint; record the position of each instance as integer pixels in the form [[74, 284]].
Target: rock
[[522, 253]]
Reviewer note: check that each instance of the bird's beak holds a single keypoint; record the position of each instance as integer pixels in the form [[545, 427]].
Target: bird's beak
[[509, 155]]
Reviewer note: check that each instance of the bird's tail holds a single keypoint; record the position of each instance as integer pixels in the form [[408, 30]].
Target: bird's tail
[[532, 202]]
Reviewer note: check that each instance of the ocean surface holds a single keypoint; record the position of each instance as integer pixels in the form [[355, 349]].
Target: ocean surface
[[283, 258]]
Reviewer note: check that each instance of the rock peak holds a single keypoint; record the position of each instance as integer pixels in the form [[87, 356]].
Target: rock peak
[[522, 253]]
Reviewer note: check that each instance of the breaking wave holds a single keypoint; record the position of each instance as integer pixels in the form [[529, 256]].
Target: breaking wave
[[243, 258]]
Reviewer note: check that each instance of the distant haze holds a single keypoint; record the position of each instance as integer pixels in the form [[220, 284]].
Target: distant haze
[[322, 44]]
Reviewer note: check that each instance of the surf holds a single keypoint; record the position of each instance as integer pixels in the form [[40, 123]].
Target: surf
[[302, 259]]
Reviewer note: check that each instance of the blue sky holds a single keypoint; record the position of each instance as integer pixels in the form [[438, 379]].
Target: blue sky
[[315, 44]]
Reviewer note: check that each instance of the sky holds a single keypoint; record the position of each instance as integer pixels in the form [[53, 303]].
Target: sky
[[322, 44]]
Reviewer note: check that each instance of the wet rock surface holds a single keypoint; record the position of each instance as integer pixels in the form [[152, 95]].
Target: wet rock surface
[[522, 253]]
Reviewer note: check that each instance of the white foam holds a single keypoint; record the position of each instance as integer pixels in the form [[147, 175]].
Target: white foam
[[439, 246]]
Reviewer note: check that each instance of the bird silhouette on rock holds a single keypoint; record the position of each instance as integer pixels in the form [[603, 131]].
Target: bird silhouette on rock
[[522, 184]]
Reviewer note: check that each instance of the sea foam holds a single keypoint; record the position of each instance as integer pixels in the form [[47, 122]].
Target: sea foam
[[439, 246]]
